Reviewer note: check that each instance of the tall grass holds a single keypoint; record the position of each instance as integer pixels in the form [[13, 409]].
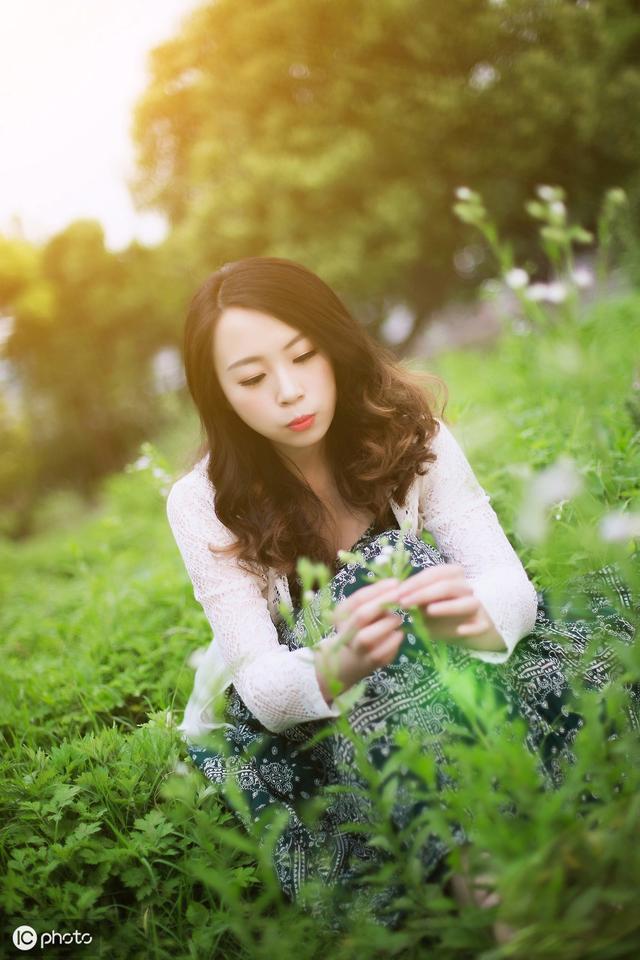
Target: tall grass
[[106, 829]]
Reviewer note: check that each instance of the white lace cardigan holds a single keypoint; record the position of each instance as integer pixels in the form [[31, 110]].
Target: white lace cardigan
[[280, 686]]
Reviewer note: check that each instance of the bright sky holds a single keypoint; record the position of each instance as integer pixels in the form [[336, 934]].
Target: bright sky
[[70, 72]]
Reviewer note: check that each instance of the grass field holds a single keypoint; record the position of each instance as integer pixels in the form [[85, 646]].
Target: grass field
[[106, 829]]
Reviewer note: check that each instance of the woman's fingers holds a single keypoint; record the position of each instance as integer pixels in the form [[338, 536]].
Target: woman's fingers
[[367, 612], [380, 640], [463, 606], [440, 571], [364, 595], [442, 589]]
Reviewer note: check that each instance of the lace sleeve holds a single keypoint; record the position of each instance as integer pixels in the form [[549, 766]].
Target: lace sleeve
[[456, 510], [279, 686]]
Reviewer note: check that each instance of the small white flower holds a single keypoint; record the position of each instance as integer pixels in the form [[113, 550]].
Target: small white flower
[[582, 277], [308, 595], [546, 193], [558, 209], [181, 768], [380, 560], [536, 292], [554, 485], [619, 526], [557, 292], [142, 463], [483, 76], [464, 193], [196, 657], [554, 292], [559, 481], [387, 550], [517, 278]]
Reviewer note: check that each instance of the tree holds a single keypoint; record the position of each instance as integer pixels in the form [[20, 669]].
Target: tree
[[336, 133]]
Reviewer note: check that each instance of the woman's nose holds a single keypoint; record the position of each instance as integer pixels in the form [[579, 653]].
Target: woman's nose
[[289, 388]]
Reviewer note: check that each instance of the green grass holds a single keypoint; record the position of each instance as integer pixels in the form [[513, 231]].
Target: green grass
[[104, 829]]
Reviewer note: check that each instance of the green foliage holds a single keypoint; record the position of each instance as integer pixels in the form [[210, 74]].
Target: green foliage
[[86, 325], [335, 133], [105, 827]]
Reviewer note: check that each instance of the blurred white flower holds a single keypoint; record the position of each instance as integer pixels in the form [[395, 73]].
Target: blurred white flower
[[398, 324], [558, 209], [546, 193], [181, 768], [483, 76], [619, 526], [490, 289], [554, 292], [141, 463], [554, 485], [464, 193], [196, 657], [582, 277], [517, 278], [308, 595]]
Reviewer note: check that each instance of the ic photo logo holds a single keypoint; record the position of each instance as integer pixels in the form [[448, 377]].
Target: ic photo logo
[[25, 938]]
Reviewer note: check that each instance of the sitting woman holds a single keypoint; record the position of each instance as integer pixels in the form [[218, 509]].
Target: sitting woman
[[317, 441]]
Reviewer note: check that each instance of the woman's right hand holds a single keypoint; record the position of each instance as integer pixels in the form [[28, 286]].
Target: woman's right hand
[[367, 636]]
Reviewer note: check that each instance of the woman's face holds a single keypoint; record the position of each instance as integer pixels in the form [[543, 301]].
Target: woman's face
[[272, 374]]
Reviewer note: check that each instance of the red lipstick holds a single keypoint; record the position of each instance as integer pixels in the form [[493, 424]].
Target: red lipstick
[[302, 423]]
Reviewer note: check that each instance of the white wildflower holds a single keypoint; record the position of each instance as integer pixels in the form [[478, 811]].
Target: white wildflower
[[464, 193], [141, 463], [181, 768], [560, 481], [620, 526], [537, 291], [380, 560], [546, 193], [483, 76], [196, 657], [558, 209], [557, 292], [554, 485], [517, 278], [308, 595], [582, 277]]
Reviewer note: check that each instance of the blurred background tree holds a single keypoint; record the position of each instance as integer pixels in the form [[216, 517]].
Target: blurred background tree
[[336, 133]]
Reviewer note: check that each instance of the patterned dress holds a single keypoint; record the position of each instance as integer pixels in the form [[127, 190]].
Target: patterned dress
[[283, 770]]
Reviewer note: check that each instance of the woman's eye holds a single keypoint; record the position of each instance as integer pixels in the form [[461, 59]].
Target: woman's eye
[[254, 380]]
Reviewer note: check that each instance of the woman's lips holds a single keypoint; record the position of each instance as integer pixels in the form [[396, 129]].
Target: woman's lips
[[303, 424]]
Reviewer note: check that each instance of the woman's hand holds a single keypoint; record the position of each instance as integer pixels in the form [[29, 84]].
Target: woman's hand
[[451, 610], [367, 635]]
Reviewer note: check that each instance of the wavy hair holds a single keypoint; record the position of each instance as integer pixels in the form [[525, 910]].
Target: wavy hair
[[377, 443]]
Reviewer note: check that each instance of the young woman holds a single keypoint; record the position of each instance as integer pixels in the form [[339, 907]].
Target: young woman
[[318, 440]]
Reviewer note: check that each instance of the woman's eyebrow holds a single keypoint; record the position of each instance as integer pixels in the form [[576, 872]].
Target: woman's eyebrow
[[238, 363]]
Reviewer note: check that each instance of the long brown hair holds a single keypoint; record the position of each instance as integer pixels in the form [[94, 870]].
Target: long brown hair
[[378, 440]]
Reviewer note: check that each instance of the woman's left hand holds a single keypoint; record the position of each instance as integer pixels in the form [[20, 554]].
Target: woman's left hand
[[452, 611]]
